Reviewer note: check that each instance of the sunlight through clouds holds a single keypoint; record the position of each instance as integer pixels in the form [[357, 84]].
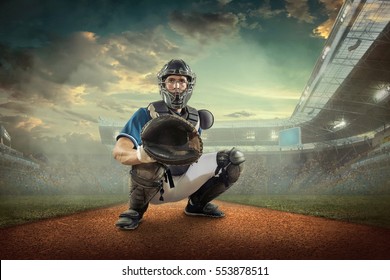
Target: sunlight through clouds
[[252, 59]]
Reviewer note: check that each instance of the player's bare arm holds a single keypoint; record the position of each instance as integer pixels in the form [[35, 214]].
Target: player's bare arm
[[124, 152]]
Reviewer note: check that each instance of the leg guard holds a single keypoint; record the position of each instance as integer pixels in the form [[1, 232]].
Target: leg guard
[[146, 182], [230, 166]]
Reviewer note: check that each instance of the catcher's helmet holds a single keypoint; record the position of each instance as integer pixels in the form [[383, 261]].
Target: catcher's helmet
[[176, 67]]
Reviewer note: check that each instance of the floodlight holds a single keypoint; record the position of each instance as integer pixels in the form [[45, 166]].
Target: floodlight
[[339, 124], [381, 94]]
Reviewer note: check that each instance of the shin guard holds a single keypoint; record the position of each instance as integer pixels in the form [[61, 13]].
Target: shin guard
[[230, 166]]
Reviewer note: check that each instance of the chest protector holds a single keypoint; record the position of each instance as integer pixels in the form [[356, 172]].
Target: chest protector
[[203, 119]]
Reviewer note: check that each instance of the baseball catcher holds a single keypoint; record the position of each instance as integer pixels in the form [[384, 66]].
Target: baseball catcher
[[162, 144]]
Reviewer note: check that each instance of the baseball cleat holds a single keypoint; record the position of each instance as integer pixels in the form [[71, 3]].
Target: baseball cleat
[[208, 210], [128, 220]]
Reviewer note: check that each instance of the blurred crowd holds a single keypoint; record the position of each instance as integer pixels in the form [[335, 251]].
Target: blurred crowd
[[67, 174], [348, 170], [357, 169]]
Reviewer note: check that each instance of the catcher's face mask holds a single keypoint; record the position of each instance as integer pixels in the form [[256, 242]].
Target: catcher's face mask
[[176, 81]]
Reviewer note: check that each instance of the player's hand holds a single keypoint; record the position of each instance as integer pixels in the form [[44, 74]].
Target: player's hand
[[143, 156]]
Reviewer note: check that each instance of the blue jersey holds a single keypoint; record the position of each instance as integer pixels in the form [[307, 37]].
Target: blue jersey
[[133, 127]]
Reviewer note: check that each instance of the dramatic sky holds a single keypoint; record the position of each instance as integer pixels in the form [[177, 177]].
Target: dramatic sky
[[65, 63]]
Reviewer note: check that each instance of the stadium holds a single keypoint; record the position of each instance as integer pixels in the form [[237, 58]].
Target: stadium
[[337, 139], [335, 144], [339, 129]]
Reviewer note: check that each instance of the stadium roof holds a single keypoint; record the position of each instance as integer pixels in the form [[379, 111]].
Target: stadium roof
[[348, 91]]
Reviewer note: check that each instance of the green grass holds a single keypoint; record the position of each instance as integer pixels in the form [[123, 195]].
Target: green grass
[[369, 209], [22, 209], [364, 209]]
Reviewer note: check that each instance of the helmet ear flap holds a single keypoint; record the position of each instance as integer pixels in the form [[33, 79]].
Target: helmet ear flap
[[163, 78]]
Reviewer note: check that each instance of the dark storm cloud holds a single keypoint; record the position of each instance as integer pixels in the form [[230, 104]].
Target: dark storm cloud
[[58, 60], [23, 126], [32, 23], [46, 74], [140, 51], [299, 9], [17, 107], [15, 66], [240, 114], [204, 26], [265, 11], [38, 75]]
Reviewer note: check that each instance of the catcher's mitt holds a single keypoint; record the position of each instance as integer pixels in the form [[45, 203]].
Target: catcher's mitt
[[171, 140]]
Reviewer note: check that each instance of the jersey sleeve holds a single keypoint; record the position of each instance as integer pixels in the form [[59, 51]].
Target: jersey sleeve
[[133, 127]]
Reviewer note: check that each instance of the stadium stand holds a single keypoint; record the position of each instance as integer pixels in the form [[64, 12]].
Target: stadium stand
[[72, 174]]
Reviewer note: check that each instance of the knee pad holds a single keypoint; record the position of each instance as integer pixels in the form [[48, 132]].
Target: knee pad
[[226, 157], [231, 165], [233, 172], [148, 175]]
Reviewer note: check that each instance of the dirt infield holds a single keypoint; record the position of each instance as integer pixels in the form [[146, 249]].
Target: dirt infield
[[167, 233]]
